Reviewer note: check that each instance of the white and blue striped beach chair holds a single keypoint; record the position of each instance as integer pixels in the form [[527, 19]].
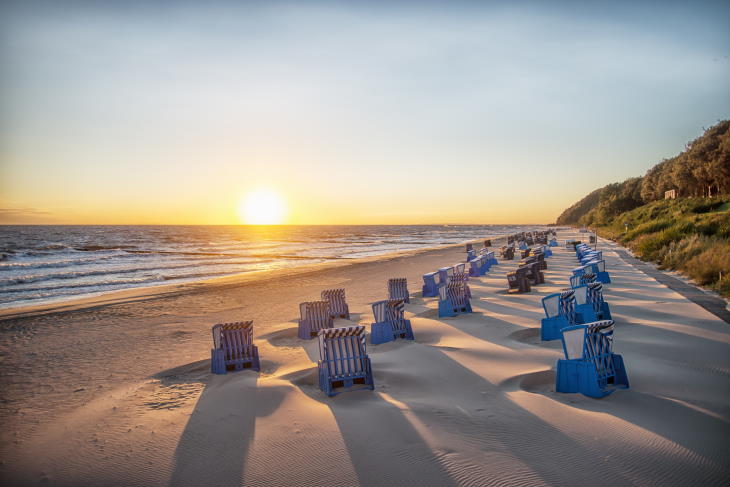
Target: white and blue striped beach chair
[[233, 348], [453, 299], [315, 316], [343, 363], [338, 304], [390, 322], [590, 366]]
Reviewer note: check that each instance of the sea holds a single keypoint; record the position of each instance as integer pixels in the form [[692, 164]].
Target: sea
[[48, 264]]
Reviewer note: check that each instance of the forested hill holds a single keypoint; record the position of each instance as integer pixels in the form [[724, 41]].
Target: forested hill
[[701, 170]]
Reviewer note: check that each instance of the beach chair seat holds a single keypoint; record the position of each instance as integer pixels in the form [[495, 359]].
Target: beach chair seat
[[233, 348], [390, 322], [453, 300], [430, 287], [559, 313], [590, 366], [517, 281], [343, 363], [314, 316], [338, 304], [398, 289], [594, 295]]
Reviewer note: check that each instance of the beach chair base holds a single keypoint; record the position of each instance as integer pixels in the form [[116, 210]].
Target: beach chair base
[[218, 364], [384, 332], [447, 308], [550, 329], [336, 385], [581, 376]]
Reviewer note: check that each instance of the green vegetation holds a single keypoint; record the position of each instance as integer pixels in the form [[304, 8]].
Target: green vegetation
[[690, 234]]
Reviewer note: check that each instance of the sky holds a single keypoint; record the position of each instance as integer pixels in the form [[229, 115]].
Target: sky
[[351, 112]]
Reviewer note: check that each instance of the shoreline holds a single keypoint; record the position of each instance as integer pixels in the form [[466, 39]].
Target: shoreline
[[234, 280]]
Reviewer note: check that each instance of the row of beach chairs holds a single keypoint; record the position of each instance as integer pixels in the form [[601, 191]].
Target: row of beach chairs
[[581, 319]]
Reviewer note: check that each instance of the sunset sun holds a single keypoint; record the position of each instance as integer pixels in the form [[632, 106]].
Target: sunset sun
[[262, 207]]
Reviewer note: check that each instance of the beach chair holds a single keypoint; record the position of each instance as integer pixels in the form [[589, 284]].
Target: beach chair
[[553, 242], [491, 258], [522, 245], [453, 300], [469, 247], [590, 366], [534, 274], [599, 269], [525, 253], [559, 313], [338, 305], [475, 267], [343, 363], [398, 289], [471, 255], [445, 274], [484, 264], [233, 348], [508, 252], [594, 297], [315, 316], [390, 322], [517, 281], [430, 288]]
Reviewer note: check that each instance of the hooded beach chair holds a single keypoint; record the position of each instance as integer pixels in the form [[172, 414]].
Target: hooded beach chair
[[453, 300], [471, 255], [559, 313], [491, 259], [430, 288], [315, 316], [338, 305], [522, 245], [390, 322], [475, 267], [233, 348], [398, 289], [517, 281], [534, 274], [590, 366], [343, 363], [553, 242]]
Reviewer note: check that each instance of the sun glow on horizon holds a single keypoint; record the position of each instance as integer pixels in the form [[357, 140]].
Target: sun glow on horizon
[[262, 207]]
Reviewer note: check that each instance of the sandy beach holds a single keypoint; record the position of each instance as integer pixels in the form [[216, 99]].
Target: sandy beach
[[120, 392]]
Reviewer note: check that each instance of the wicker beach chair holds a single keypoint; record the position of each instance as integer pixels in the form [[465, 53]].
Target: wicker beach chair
[[390, 322], [343, 363], [590, 366], [517, 281], [453, 300], [430, 287], [398, 289], [338, 304], [233, 348], [315, 316], [463, 278], [559, 313]]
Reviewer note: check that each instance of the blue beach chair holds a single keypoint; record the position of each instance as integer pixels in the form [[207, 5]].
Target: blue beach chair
[[315, 316], [338, 304], [343, 363], [469, 247], [398, 289], [475, 268], [553, 242], [390, 322], [430, 288], [233, 348], [559, 313], [453, 300], [471, 255], [590, 366]]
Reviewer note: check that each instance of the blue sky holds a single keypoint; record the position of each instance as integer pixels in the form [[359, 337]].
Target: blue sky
[[355, 112]]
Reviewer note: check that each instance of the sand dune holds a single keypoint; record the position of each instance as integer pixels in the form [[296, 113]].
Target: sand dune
[[121, 394]]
